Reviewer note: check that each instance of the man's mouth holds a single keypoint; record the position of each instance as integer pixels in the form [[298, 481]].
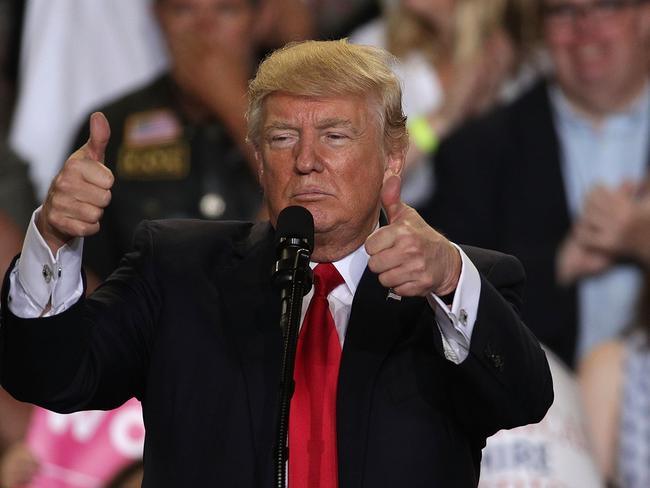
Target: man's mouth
[[310, 194]]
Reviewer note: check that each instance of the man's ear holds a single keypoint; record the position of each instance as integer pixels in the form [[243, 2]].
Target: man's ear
[[395, 160]]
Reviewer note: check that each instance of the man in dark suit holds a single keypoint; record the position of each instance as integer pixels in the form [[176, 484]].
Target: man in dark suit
[[555, 177], [434, 357]]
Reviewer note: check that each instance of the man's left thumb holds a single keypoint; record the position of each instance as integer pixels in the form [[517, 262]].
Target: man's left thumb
[[391, 198]]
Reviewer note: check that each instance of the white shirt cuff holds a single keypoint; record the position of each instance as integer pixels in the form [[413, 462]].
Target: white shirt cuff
[[456, 323], [39, 278]]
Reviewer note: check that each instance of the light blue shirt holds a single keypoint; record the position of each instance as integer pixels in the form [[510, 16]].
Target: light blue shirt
[[610, 154]]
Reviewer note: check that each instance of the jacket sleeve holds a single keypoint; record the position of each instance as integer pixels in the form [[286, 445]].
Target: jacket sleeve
[[95, 354], [505, 381]]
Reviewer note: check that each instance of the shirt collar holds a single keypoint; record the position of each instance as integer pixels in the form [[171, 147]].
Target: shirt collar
[[639, 109], [351, 267]]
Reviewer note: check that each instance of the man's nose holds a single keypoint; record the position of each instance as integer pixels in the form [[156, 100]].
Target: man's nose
[[307, 155]]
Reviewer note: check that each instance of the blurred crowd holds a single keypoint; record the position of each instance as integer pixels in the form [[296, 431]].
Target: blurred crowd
[[530, 134]]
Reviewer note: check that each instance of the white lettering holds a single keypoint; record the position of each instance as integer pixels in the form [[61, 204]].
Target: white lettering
[[82, 424], [127, 432]]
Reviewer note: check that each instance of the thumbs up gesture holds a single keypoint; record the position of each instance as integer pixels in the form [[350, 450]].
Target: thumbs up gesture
[[409, 256], [78, 195]]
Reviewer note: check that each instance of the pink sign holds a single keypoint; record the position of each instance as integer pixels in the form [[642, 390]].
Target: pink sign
[[85, 449]]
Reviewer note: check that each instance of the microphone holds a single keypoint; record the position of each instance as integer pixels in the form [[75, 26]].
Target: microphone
[[294, 243]]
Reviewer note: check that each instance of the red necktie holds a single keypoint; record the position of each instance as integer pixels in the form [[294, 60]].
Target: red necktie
[[312, 419]]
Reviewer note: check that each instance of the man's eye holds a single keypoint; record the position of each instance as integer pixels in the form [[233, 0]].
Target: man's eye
[[280, 140], [336, 137]]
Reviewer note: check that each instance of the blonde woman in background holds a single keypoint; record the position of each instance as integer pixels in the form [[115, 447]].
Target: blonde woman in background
[[454, 60]]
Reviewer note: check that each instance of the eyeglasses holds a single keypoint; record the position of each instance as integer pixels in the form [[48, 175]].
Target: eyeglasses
[[565, 14]]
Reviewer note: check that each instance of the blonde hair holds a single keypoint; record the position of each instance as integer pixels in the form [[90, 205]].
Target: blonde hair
[[473, 22], [331, 68]]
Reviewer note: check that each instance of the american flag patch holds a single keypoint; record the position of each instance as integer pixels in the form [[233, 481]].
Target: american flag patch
[[151, 128]]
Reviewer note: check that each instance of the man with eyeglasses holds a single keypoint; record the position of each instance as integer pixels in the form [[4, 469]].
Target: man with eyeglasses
[[566, 13], [555, 177]]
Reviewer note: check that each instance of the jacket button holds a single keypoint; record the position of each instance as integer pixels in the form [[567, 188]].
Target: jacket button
[[497, 362], [494, 358]]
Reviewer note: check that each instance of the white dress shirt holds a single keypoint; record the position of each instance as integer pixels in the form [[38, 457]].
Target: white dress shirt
[[40, 279]]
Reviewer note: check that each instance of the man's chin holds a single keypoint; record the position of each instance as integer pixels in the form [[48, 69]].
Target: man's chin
[[318, 207], [325, 218], [322, 210]]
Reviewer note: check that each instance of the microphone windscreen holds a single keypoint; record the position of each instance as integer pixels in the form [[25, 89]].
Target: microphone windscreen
[[295, 222]]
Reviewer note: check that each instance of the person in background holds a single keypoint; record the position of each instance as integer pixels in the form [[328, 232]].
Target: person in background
[[550, 177], [272, 30], [616, 391], [178, 144], [62, 77], [455, 59]]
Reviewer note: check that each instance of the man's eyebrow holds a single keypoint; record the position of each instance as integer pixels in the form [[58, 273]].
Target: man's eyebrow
[[333, 122], [328, 123], [279, 125]]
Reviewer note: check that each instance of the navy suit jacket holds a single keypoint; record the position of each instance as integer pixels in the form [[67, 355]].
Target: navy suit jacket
[[189, 325]]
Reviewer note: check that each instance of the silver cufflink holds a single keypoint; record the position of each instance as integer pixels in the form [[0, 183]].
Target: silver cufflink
[[392, 295]]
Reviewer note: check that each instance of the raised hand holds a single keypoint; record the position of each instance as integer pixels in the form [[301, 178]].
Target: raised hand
[[409, 256], [607, 216], [80, 192], [575, 261], [617, 222]]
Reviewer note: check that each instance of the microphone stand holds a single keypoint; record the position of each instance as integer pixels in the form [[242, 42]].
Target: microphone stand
[[296, 278]]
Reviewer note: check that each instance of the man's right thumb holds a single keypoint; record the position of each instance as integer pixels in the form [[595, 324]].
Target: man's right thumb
[[100, 133]]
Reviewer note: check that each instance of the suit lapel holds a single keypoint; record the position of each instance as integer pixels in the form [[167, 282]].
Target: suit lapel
[[372, 331], [251, 318]]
